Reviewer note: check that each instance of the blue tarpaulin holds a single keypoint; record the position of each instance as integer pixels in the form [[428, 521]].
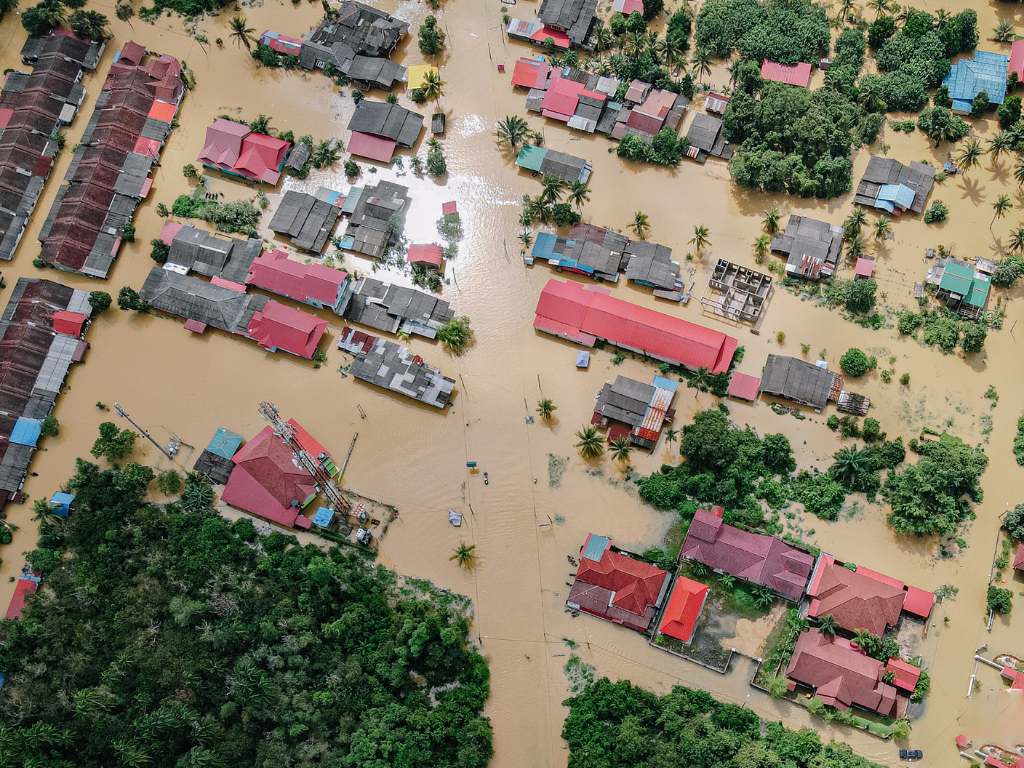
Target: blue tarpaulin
[[323, 517], [26, 431]]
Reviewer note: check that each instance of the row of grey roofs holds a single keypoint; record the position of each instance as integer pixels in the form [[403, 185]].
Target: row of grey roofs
[[357, 42], [390, 121], [397, 309], [195, 299], [197, 250]]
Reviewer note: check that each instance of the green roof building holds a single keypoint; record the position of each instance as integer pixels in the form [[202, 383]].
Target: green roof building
[[963, 290]]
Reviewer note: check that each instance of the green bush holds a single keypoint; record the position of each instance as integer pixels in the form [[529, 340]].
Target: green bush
[[936, 212], [999, 600], [1014, 520], [854, 362]]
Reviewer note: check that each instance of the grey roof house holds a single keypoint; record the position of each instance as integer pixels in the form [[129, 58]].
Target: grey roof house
[[394, 308], [197, 250], [574, 17], [305, 219], [194, 299], [391, 121], [707, 139], [799, 381], [811, 247], [651, 264], [377, 217], [890, 186], [357, 42], [391, 366]]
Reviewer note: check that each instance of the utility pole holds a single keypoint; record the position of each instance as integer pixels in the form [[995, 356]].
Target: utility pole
[[124, 415]]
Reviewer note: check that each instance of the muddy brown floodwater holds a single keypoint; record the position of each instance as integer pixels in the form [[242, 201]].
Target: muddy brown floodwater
[[172, 381]]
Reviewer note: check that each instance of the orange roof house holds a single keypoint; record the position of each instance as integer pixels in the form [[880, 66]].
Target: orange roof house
[[613, 585], [861, 599], [904, 674], [684, 608]]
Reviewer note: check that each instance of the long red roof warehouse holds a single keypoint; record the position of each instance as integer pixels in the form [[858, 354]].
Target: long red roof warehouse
[[584, 315]]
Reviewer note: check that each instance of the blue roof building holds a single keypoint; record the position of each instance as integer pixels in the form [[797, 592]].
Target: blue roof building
[[26, 431], [323, 517], [60, 503], [225, 443], [969, 77]]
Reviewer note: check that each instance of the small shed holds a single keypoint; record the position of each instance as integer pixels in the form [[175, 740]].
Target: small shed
[[69, 323], [195, 326], [60, 503], [438, 120], [864, 268], [224, 443], [416, 75], [743, 386], [449, 209], [531, 157], [431, 255], [26, 431], [323, 517]]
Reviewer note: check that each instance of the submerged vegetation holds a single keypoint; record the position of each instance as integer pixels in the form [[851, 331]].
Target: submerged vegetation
[[240, 216], [186, 639]]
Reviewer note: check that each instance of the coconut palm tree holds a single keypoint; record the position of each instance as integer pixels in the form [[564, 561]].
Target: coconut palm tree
[[761, 246], [1003, 33], [511, 131], [763, 597], [553, 190], [641, 225], [1016, 243], [770, 222], [999, 208], [827, 625], [854, 222], [579, 194], [589, 443], [855, 247], [878, 6], [969, 155], [526, 238], [546, 408], [620, 448], [882, 228], [241, 31], [671, 51], [702, 64], [727, 580], [1000, 143], [700, 380], [603, 39], [464, 555], [700, 239], [325, 154], [850, 465], [433, 87], [1018, 172], [671, 435]]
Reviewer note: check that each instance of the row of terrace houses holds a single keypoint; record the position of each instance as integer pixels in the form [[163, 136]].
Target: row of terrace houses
[[109, 175], [33, 108]]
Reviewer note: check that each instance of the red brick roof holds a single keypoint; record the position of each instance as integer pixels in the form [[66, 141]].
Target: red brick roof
[[684, 606], [754, 557], [842, 677], [279, 327], [855, 599]]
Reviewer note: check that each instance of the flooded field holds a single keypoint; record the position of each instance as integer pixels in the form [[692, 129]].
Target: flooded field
[[523, 525]]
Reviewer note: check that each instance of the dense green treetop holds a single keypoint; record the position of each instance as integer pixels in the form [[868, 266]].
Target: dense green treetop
[[787, 31], [168, 636]]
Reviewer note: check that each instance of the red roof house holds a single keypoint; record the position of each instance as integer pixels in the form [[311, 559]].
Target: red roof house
[[234, 149], [753, 557], [279, 327], [1014, 677], [69, 323], [904, 674], [797, 74], [1018, 559], [313, 284], [558, 38], [24, 588], [530, 73], [428, 255], [614, 586], [1016, 66], [372, 147], [744, 386], [841, 677], [562, 98], [684, 607], [864, 268], [267, 482], [583, 315], [855, 599]]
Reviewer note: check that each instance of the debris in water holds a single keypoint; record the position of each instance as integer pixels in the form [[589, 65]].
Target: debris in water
[[454, 518], [556, 468]]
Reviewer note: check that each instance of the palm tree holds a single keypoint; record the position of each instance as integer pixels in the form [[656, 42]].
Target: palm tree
[[999, 209], [603, 39], [855, 247], [241, 31], [671, 435], [882, 228], [511, 131], [671, 51], [761, 246], [620, 448], [546, 408], [325, 154], [727, 580], [865, 640], [878, 6], [553, 190], [1003, 33], [1016, 243], [700, 380], [433, 86], [763, 597], [464, 555], [702, 64], [1000, 143], [641, 225], [589, 443], [969, 155], [579, 194], [850, 465], [526, 238], [770, 222], [827, 625], [700, 239], [854, 222], [1018, 172]]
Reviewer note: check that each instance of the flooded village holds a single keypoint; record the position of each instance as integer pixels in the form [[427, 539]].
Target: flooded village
[[306, 347]]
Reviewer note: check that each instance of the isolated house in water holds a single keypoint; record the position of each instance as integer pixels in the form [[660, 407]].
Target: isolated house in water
[[754, 557], [397, 309], [963, 289], [232, 148], [630, 408], [811, 247], [109, 172], [549, 162], [574, 17], [33, 108], [985, 73], [357, 43], [313, 284], [890, 186], [379, 127], [617, 587]]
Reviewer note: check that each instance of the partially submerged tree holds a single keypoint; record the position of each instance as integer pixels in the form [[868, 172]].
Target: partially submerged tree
[[589, 443]]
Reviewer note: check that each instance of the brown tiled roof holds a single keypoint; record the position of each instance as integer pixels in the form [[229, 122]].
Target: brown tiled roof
[[854, 600]]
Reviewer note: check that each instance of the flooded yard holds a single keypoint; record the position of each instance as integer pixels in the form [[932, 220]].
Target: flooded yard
[[542, 498]]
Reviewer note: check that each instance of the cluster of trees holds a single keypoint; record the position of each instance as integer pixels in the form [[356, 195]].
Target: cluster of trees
[[940, 124], [554, 205], [915, 56], [858, 469], [456, 335], [943, 329], [665, 148], [617, 725], [934, 494], [787, 31], [41, 19], [237, 216], [186, 8], [628, 51], [1014, 523], [430, 38], [168, 635], [855, 296]]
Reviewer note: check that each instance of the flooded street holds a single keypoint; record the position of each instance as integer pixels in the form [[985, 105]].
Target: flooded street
[[523, 525]]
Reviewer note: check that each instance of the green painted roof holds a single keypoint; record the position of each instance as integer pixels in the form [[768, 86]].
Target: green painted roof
[[530, 157], [957, 278], [979, 292]]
